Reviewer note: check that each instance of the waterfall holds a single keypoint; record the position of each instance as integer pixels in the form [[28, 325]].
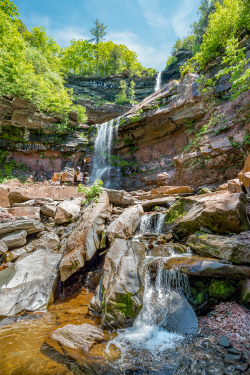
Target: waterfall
[[117, 126], [158, 82], [102, 168], [159, 223], [151, 223], [148, 330]]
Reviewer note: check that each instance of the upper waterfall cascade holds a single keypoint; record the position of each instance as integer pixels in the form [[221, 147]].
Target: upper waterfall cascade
[[158, 82]]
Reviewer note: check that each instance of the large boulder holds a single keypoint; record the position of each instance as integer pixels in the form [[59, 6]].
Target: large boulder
[[125, 225], [15, 239], [29, 284], [80, 338], [119, 197], [66, 211], [219, 212], [21, 223], [57, 193], [181, 317], [200, 267], [122, 284], [30, 212], [84, 241], [235, 249], [49, 209]]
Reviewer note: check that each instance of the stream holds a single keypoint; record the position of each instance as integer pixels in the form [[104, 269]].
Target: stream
[[23, 347]]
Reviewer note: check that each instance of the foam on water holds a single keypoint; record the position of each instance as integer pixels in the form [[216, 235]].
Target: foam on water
[[148, 330], [149, 223]]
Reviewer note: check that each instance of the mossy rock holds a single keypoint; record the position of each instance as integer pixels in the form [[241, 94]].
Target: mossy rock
[[126, 305], [246, 296], [222, 290], [204, 191], [201, 297], [200, 285], [176, 211]]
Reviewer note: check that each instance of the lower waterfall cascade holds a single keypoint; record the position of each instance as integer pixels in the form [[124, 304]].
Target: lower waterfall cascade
[[102, 168]]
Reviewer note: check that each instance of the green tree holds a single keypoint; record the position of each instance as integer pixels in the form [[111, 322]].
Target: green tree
[[98, 33], [132, 92], [9, 8], [121, 98], [79, 57], [115, 55], [199, 28], [25, 71], [228, 21]]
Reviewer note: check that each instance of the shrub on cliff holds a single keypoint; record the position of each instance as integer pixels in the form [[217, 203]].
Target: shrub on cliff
[[229, 20], [30, 67]]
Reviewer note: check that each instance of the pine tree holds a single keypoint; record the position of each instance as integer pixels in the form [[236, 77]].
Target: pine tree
[[98, 33]]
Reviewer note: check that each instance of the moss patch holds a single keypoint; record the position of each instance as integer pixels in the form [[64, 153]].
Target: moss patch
[[125, 305], [176, 211], [221, 290], [246, 299]]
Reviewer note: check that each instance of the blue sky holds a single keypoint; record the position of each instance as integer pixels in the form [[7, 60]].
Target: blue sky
[[148, 27]]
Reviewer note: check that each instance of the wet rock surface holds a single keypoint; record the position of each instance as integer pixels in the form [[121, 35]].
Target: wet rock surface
[[30, 284], [235, 248]]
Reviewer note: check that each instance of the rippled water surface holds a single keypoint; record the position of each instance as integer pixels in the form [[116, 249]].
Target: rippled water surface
[[23, 350]]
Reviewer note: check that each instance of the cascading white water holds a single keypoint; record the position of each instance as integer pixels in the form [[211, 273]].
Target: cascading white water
[[148, 330], [117, 127], [158, 82], [159, 223], [149, 223], [102, 168]]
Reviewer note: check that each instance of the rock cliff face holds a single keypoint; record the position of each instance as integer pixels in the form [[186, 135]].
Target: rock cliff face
[[173, 70], [108, 87], [32, 138], [100, 113], [173, 137], [176, 137]]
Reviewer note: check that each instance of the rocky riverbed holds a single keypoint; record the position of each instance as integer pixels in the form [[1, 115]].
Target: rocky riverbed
[[112, 285]]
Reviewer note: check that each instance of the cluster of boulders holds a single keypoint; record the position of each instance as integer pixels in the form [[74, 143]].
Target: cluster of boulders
[[49, 233]]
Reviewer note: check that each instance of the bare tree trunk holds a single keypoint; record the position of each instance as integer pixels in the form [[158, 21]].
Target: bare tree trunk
[[97, 66]]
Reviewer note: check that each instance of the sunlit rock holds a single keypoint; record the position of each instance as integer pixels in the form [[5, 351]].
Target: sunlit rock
[[125, 225], [220, 212], [29, 284], [84, 241], [15, 239], [235, 248]]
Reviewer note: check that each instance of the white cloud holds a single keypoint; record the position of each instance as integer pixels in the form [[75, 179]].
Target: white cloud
[[181, 20], [152, 12], [63, 36]]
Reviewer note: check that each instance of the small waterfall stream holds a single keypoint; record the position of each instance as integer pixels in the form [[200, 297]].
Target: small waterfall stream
[[148, 331], [158, 82], [152, 223]]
